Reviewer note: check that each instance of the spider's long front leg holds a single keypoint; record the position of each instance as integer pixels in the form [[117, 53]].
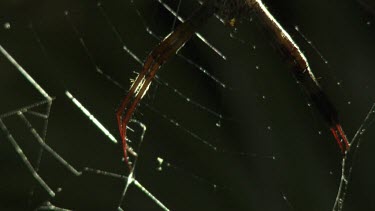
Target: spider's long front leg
[[302, 71], [167, 48]]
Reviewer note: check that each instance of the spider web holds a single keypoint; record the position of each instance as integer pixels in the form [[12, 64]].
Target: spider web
[[224, 126]]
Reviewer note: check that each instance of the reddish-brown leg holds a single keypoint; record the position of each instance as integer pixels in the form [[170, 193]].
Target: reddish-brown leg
[[340, 138], [343, 136], [166, 49]]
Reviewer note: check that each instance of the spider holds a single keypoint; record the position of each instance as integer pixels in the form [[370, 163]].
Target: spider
[[229, 9]]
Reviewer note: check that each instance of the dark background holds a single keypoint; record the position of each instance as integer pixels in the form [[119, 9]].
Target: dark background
[[268, 147]]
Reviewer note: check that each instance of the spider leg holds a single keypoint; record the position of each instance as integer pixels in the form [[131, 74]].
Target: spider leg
[[143, 81], [132, 100], [166, 49], [340, 138], [120, 112], [302, 71], [122, 120], [337, 138], [343, 136]]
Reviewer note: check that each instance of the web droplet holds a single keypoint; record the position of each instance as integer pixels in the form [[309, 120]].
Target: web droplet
[[7, 25], [218, 124], [160, 160]]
